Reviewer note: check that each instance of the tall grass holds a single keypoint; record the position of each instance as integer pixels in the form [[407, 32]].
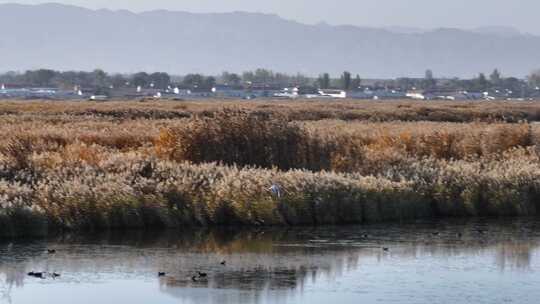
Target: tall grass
[[302, 110], [71, 171], [247, 139], [133, 191], [234, 137]]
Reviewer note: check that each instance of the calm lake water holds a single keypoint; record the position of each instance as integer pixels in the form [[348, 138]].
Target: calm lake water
[[495, 261]]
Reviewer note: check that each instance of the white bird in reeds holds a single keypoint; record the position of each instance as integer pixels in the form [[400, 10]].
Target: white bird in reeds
[[275, 189]]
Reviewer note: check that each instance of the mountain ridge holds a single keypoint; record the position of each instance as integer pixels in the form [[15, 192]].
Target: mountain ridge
[[68, 37]]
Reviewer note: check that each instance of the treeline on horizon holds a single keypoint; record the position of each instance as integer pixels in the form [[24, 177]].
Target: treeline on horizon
[[100, 81]]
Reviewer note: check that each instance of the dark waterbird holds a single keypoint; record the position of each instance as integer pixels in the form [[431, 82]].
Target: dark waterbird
[[223, 263], [161, 274], [39, 275], [51, 251], [202, 274], [55, 275], [386, 249]]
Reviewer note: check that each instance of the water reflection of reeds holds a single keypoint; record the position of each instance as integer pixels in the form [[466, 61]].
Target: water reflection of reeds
[[279, 262]]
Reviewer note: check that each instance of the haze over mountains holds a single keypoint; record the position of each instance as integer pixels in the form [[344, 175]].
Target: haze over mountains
[[67, 37]]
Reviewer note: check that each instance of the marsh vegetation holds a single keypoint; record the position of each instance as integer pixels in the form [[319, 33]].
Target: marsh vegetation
[[96, 166]]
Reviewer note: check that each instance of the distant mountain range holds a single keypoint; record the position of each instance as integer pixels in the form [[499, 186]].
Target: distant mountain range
[[68, 37]]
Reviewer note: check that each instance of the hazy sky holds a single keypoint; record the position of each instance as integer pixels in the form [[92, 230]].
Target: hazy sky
[[520, 14]]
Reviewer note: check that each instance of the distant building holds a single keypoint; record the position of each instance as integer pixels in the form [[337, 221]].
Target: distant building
[[448, 95], [376, 94], [333, 93], [414, 94], [99, 98], [227, 91]]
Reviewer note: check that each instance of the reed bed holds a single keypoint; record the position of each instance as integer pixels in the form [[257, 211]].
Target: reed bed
[[60, 170], [131, 190], [299, 110]]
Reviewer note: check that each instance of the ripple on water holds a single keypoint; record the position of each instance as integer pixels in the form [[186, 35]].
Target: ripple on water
[[426, 262]]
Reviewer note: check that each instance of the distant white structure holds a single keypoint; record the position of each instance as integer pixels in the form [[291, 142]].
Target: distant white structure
[[419, 95], [333, 93], [99, 98], [288, 93], [488, 97]]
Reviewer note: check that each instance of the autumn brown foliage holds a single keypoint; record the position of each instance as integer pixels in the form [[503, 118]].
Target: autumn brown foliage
[[68, 166]]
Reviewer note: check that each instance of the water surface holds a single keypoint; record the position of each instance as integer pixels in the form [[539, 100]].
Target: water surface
[[495, 261]]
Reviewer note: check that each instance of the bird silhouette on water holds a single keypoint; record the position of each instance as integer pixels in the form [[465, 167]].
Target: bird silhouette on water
[[161, 274], [202, 274], [386, 249], [39, 275], [43, 275], [223, 263], [51, 251]]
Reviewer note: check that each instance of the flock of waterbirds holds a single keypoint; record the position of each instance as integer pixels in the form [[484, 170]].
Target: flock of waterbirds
[[44, 275], [196, 278], [203, 275]]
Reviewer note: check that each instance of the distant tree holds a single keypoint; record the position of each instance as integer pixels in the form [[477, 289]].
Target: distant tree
[[231, 79], [193, 80], [297, 80], [346, 81], [42, 77], [495, 78], [118, 80], [428, 74], [514, 85], [429, 81], [209, 82], [264, 76], [534, 78], [454, 84], [480, 83], [356, 82], [199, 81], [141, 79], [99, 79], [324, 81], [160, 80], [405, 83], [248, 76]]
